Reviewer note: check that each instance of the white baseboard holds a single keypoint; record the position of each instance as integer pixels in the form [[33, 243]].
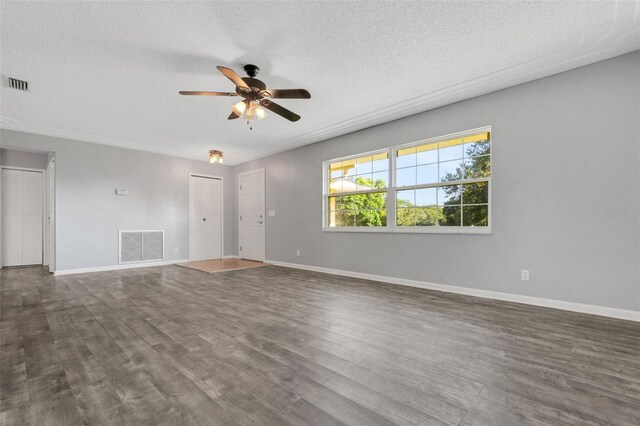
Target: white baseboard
[[117, 267], [508, 297], [231, 256]]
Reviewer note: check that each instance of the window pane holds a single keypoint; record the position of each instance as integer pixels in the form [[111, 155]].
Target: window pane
[[406, 177], [335, 185], [406, 157], [365, 209], [450, 150], [363, 165], [426, 197], [476, 215], [428, 174], [345, 218], [380, 179], [334, 203], [405, 198], [450, 216], [371, 217], [475, 193], [427, 153], [363, 182], [449, 194], [426, 216], [450, 170], [380, 162], [477, 167], [335, 170], [404, 216], [349, 167], [332, 218], [476, 145]]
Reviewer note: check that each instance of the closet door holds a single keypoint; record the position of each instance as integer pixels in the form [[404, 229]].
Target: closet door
[[205, 218], [22, 213], [11, 217], [196, 216], [32, 214], [213, 213]]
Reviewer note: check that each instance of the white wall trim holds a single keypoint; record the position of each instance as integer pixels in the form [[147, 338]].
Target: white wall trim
[[231, 256], [508, 297], [117, 267]]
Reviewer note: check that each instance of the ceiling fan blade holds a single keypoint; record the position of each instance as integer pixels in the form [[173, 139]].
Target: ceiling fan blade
[[280, 110], [289, 93], [231, 75], [187, 92], [233, 116]]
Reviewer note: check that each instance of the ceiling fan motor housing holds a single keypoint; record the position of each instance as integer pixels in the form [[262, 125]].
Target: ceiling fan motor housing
[[254, 82], [251, 70]]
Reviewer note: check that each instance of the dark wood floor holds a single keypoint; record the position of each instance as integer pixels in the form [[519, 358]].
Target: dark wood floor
[[271, 345]]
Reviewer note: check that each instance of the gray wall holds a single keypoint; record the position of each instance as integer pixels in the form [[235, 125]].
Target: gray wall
[[566, 151], [29, 160], [89, 214]]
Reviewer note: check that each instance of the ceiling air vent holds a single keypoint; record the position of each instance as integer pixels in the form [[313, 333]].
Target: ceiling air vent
[[14, 83]]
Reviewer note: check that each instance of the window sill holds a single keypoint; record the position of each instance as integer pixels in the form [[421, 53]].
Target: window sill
[[470, 230]]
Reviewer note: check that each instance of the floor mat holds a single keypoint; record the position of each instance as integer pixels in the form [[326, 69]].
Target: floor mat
[[221, 265]]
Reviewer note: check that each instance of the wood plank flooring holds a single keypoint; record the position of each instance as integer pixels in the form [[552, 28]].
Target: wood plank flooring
[[277, 346]]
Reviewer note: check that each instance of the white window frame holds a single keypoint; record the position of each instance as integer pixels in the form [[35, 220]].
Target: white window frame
[[391, 192]]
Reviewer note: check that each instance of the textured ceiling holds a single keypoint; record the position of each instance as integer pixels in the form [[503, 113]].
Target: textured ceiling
[[110, 72]]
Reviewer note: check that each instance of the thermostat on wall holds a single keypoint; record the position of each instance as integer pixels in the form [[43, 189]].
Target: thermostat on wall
[[122, 191]]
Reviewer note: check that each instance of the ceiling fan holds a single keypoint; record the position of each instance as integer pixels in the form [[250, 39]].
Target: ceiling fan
[[256, 96]]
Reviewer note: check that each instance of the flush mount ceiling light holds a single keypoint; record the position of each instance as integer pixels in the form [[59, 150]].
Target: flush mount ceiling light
[[256, 96], [215, 156]]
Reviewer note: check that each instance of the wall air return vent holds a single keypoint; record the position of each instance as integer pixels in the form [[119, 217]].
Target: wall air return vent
[[14, 83], [141, 246]]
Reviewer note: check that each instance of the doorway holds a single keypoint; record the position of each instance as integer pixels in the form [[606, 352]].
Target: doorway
[[252, 227], [205, 217]]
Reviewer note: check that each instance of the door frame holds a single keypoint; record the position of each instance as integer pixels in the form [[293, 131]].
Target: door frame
[[264, 206], [50, 219], [45, 207], [205, 176]]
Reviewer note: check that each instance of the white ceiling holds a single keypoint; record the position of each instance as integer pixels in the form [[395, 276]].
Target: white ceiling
[[110, 72]]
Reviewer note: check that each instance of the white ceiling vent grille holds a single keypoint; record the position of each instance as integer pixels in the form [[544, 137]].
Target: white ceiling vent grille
[[14, 83], [141, 246]]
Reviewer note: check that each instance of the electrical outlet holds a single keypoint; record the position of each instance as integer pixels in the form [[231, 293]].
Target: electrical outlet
[[524, 275], [298, 252]]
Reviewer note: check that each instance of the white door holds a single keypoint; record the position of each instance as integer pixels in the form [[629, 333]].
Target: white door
[[252, 215], [22, 214], [205, 218]]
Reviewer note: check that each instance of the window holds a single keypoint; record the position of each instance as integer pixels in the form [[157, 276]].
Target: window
[[438, 185], [358, 191]]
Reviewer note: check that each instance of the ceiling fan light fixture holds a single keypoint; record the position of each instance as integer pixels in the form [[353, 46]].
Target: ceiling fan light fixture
[[239, 108], [254, 112], [260, 113], [215, 156]]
